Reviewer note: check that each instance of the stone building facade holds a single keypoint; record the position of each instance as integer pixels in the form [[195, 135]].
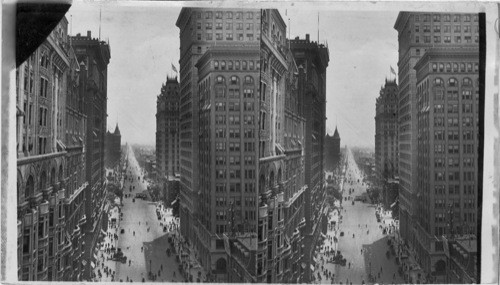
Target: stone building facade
[[167, 129], [245, 209], [94, 56], [312, 60], [51, 181], [422, 34]]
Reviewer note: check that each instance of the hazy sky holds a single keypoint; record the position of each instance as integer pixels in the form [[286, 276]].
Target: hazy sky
[[363, 46], [144, 41]]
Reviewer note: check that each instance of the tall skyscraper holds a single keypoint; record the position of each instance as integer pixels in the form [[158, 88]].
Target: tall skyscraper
[[386, 141], [437, 138], [208, 36], [447, 141], [51, 181], [167, 129], [246, 216], [93, 55], [312, 59]]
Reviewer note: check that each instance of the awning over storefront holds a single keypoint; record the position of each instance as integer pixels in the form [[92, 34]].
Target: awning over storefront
[[92, 264], [103, 232], [312, 267], [173, 203], [303, 265], [95, 256], [84, 262]]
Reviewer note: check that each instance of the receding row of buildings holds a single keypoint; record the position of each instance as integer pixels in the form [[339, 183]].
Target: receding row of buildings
[[427, 131], [244, 131], [61, 124]]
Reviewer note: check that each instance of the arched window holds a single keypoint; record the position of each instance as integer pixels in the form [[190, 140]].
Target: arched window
[[223, 65], [216, 64], [43, 181], [220, 265], [455, 67], [467, 81], [271, 180], [30, 187], [248, 79], [43, 59], [448, 67], [53, 176], [235, 80], [262, 183], [440, 266], [60, 174], [19, 188], [452, 82], [230, 65], [441, 67], [438, 82], [220, 80]]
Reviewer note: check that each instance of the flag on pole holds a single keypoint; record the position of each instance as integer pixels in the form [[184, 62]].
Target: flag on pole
[[173, 68], [392, 71]]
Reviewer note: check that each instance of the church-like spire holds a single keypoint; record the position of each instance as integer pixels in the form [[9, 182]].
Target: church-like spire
[[117, 130], [336, 134]]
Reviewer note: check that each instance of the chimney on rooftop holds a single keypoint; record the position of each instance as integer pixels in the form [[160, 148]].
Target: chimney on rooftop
[[89, 34], [307, 37]]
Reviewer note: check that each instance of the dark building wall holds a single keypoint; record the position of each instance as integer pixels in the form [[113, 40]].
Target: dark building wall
[[199, 31], [167, 129], [95, 56], [112, 148], [332, 151], [312, 60], [386, 142], [51, 135]]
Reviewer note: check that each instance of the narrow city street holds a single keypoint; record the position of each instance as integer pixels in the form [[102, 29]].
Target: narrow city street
[[140, 233], [360, 237]]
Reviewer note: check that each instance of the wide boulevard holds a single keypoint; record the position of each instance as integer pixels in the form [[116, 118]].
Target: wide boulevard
[[360, 237]]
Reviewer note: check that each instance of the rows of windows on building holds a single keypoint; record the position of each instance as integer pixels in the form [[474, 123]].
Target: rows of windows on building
[[54, 210], [451, 28], [228, 25]]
